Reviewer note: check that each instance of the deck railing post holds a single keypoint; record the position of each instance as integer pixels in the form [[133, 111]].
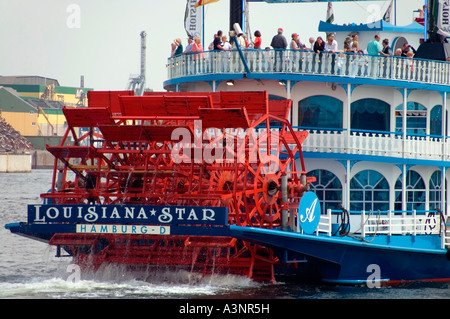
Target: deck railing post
[[363, 226], [390, 223]]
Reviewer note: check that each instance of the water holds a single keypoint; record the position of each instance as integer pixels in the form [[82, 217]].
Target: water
[[28, 269]]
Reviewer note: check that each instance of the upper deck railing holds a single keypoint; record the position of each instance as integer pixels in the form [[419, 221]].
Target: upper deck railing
[[341, 64], [372, 143], [349, 65]]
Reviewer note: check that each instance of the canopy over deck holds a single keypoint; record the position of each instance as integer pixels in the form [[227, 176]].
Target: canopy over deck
[[380, 25]]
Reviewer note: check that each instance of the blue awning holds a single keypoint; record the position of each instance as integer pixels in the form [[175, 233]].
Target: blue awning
[[380, 25]]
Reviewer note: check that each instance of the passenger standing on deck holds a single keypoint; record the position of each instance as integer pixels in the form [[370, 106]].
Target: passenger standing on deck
[[226, 45], [243, 47], [198, 48], [217, 48], [241, 41], [258, 40], [386, 52], [279, 43], [177, 48], [309, 55], [311, 43], [199, 56], [406, 48], [257, 46], [227, 54], [294, 42], [374, 48], [217, 43], [189, 57], [297, 56], [355, 38], [386, 48], [331, 46], [188, 48], [319, 47], [293, 53]]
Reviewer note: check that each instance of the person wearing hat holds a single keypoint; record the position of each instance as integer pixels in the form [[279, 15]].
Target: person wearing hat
[[190, 44], [294, 42], [279, 43]]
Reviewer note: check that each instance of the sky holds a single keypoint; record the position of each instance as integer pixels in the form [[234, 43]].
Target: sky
[[100, 39]]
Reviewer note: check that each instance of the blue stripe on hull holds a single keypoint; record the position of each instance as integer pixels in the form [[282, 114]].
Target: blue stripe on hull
[[347, 260]]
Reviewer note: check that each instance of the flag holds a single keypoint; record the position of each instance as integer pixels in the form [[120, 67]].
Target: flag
[[387, 15], [330, 14], [203, 2], [440, 14], [193, 20]]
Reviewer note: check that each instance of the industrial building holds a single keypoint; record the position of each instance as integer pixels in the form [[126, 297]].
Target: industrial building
[[32, 105], [31, 117]]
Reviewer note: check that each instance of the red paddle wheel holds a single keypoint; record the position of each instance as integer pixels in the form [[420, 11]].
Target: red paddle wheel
[[227, 149]]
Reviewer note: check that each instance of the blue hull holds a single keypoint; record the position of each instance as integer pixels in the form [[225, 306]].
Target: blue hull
[[343, 260], [389, 259]]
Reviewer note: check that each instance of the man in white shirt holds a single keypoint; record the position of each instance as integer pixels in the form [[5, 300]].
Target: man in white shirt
[[190, 44], [331, 45]]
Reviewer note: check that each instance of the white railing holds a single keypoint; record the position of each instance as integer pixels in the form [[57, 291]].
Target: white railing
[[377, 144], [399, 223], [343, 65], [446, 237], [310, 63], [369, 224]]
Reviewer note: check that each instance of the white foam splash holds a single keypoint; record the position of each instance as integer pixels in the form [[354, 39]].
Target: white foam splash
[[112, 282]]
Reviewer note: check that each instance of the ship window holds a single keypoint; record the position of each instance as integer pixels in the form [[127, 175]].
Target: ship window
[[328, 189], [369, 190], [415, 192], [370, 114], [320, 111], [416, 118], [436, 120], [435, 190]]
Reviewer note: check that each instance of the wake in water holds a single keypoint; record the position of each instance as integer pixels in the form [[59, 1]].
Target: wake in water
[[115, 281]]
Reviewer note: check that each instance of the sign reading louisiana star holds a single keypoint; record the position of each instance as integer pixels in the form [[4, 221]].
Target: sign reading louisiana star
[[128, 214]]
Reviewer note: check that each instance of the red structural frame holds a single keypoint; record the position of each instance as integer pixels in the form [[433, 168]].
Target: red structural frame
[[119, 150]]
